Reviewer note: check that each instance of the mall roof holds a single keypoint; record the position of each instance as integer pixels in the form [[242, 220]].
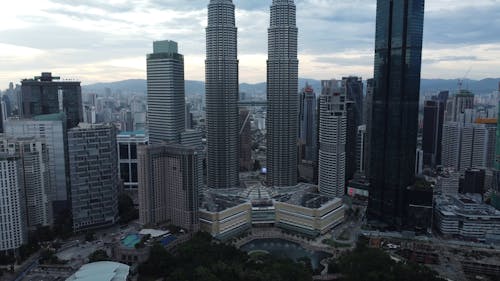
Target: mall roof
[[101, 271]]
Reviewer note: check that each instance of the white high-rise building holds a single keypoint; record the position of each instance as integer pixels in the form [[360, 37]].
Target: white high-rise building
[[33, 161], [282, 95], [468, 145], [13, 232], [221, 74], [166, 97], [332, 139]]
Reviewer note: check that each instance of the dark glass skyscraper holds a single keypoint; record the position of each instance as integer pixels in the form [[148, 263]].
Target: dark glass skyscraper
[[394, 122], [221, 76], [44, 95], [434, 111], [282, 95]]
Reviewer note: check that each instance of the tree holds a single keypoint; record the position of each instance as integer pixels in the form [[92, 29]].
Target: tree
[[99, 255], [126, 209]]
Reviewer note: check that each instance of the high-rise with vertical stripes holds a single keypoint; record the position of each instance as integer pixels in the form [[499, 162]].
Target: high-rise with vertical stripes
[[282, 95], [166, 97], [221, 74]]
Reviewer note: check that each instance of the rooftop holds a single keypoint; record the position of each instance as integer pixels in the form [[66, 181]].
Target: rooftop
[[101, 271]]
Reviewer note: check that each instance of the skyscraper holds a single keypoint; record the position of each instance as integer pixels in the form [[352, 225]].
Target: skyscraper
[[33, 162], [246, 163], [433, 132], [282, 95], [332, 139], [497, 156], [94, 175], [166, 97], [13, 232], [308, 134], [458, 104], [221, 74], [44, 95], [169, 180], [354, 92], [394, 122], [50, 128]]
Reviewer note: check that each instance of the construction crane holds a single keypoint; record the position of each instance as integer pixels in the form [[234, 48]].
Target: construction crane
[[461, 81]]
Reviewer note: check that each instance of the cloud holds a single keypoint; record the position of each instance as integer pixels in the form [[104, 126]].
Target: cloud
[[99, 40]]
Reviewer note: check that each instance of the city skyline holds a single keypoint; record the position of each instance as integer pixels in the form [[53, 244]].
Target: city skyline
[[112, 38]]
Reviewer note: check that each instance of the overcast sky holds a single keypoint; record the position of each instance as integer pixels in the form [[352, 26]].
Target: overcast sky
[[107, 40]]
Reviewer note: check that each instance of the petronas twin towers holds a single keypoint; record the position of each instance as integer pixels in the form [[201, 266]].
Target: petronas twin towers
[[222, 95]]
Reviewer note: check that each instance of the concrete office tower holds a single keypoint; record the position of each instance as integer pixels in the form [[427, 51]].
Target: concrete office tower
[[332, 139], [46, 94], [394, 118], [468, 145], [458, 104], [168, 176], [51, 129], [221, 74], [308, 135], [13, 232], [94, 175], [282, 95], [166, 97], [246, 163], [33, 160]]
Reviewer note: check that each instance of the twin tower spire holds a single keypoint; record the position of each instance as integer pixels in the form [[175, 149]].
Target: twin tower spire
[[222, 91]]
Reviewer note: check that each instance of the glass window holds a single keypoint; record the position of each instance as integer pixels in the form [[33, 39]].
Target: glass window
[[123, 151]]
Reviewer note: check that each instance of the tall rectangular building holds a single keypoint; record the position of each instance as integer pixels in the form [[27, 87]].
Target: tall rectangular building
[[221, 75], [13, 233], [433, 132], [166, 97], [169, 180], [308, 133], [47, 94], [94, 176], [282, 95], [394, 119], [51, 129], [332, 139], [33, 161]]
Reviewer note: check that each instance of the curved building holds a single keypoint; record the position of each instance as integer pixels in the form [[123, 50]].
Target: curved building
[[332, 139], [282, 95], [221, 76]]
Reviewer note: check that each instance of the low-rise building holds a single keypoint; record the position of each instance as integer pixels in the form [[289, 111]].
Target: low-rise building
[[461, 216], [300, 209]]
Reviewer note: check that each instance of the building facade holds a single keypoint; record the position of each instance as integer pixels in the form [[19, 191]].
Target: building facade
[[46, 94], [169, 180], [395, 105], [458, 104], [94, 175], [51, 129], [332, 139], [166, 97], [246, 163], [13, 232], [468, 145], [127, 157], [282, 95], [33, 161], [221, 75], [433, 132], [308, 133]]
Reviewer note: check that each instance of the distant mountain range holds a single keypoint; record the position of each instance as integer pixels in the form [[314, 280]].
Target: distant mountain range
[[194, 88]]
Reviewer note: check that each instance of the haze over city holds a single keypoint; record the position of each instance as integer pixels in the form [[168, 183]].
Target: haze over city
[[93, 41]]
